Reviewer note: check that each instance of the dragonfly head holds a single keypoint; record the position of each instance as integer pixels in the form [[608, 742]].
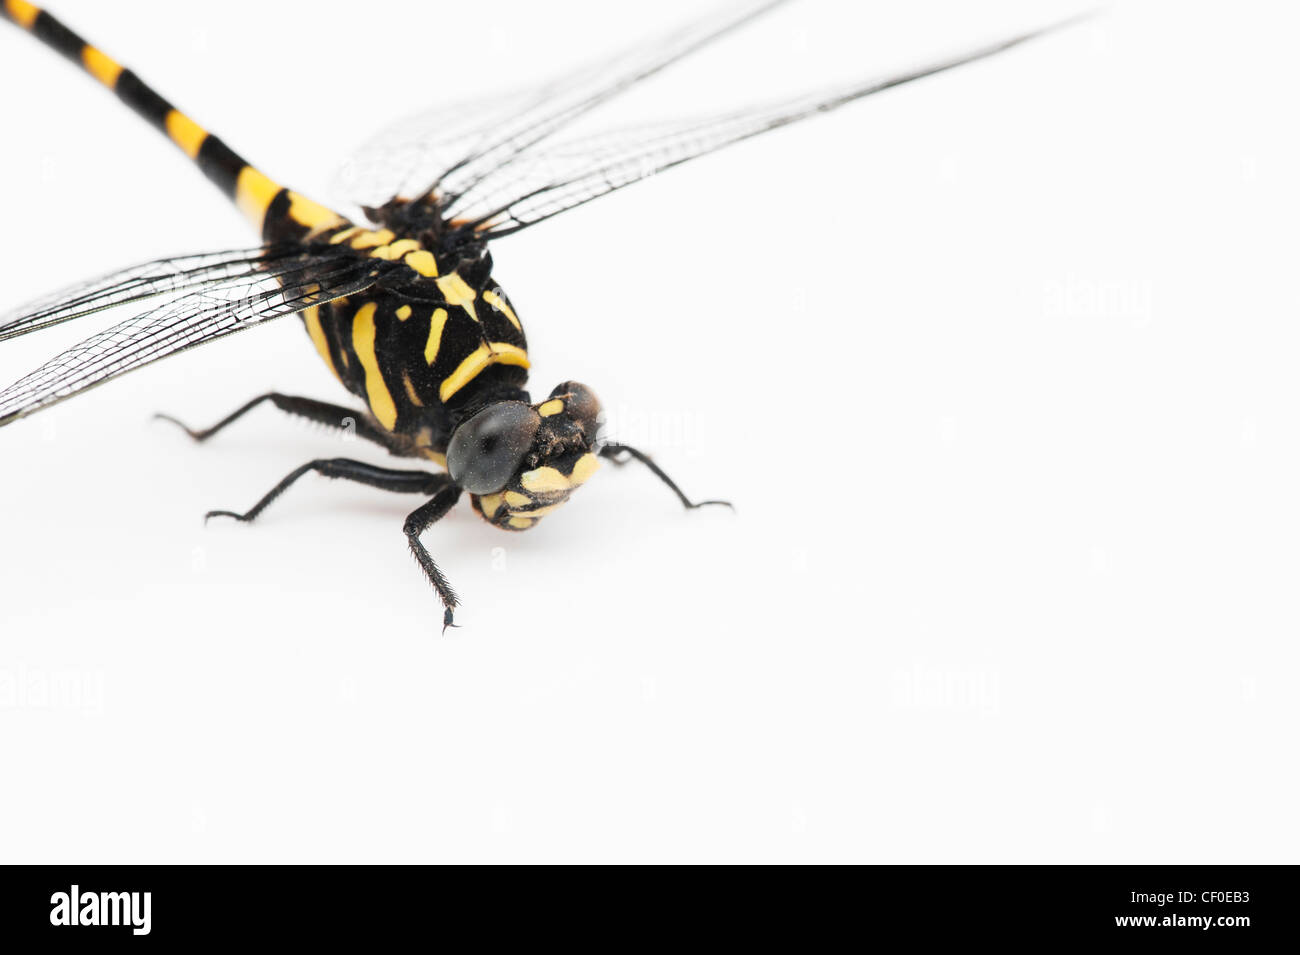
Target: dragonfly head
[[521, 461]]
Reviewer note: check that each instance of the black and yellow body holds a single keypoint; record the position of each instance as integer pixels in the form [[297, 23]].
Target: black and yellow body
[[403, 308], [276, 212], [434, 338], [437, 337]]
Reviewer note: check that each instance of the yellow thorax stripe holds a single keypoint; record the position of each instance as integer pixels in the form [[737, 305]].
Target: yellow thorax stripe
[[395, 250], [360, 238], [437, 321], [411, 395], [363, 342], [501, 305], [423, 262], [492, 353], [383, 244], [317, 332], [457, 292]]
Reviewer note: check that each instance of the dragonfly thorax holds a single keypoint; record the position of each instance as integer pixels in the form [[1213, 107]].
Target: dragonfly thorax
[[424, 221], [432, 336]]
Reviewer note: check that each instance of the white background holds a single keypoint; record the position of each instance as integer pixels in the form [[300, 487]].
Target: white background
[[999, 369]]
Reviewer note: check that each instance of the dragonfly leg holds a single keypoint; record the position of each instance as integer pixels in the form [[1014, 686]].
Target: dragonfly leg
[[386, 479], [613, 452], [417, 522], [445, 495], [333, 416]]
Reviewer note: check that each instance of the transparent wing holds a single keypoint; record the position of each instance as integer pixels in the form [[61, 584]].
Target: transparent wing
[[553, 178], [144, 281], [448, 149], [218, 308], [402, 158]]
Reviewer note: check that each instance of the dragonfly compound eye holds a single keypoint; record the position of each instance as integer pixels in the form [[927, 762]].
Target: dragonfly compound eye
[[582, 406], [486, 450]]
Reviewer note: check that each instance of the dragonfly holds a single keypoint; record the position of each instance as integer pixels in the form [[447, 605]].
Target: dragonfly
[[401, 301]]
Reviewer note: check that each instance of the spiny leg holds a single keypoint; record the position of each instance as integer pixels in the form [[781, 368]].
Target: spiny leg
[[612, 451], [417, 522], [333, 416], [445, 495], [386, 479]]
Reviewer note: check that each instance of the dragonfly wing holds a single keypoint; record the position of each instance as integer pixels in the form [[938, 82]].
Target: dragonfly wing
[[145, 281], [401, 159], [554, 178], [213, 310], [448, 149]]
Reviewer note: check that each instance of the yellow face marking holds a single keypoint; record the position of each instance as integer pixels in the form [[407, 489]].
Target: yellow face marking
[[545, 480], [502, 306], [395, 250], [436, 323], [369, 240], [423, 262], [548, 480], [515, 499], [23, 13], [457, 292], [254, 191], [489, 504], [587, 465], [312, 317], [363, 341], [101, 66], [493, 353], [185, 133], [340, 237], [404, 313], [434, 456], [538, 511], [521, 523], [410, 391], [548, 408]]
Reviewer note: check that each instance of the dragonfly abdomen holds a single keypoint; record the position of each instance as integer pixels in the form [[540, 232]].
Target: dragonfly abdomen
[[276, 212]]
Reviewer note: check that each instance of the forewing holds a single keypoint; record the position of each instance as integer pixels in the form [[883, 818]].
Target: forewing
[[213, 310], [145, 281], [559, 176], [449, 149]]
